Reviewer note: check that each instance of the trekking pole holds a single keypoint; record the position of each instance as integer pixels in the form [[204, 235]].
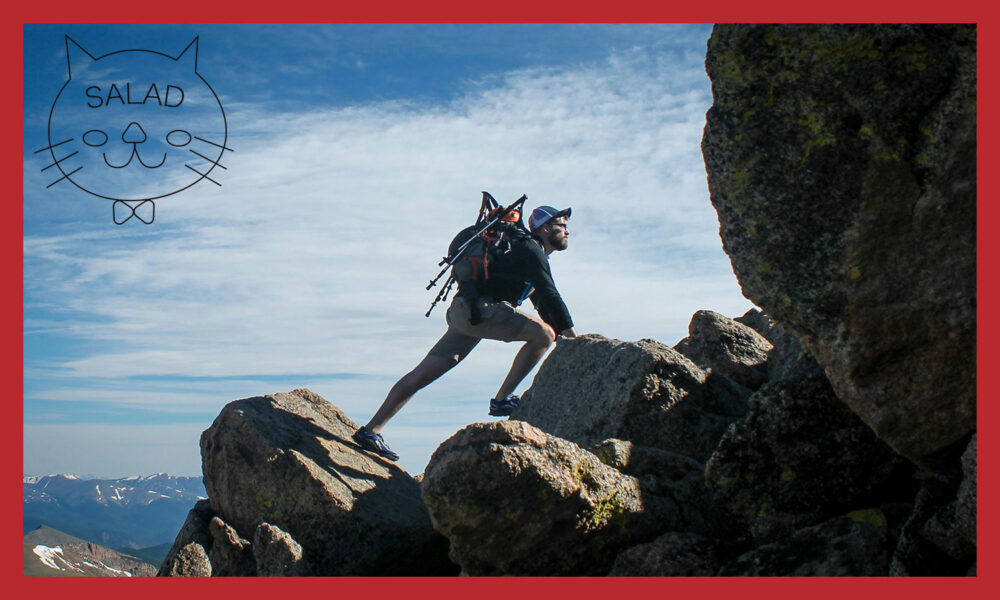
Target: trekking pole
[[442, 295]]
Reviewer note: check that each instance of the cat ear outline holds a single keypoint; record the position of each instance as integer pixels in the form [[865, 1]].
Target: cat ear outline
[[73, 56], [192, 57]]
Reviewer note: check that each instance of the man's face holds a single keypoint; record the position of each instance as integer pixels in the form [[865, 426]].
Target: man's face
[[557, 233]]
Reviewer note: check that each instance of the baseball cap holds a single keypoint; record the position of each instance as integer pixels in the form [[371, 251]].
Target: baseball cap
[[541, 215]]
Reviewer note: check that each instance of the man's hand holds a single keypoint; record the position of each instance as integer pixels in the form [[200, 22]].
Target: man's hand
[[568, 333]]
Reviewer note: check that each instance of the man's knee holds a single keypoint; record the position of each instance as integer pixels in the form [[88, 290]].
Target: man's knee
[[543, 334]]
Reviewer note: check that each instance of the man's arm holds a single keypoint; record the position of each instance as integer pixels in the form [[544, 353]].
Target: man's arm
[[545, 297]]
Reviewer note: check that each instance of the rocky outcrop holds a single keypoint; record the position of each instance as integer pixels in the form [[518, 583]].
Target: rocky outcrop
[[289, 492], [842, 164], [592, 388], [514, 500], [797, 485], [728, 347], [831, 434]]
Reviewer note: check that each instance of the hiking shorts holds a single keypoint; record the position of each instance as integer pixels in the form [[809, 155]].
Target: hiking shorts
[[500, 321]]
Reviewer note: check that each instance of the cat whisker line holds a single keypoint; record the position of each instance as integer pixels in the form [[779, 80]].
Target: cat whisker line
[[213, 143], [63, 177], [207, 158], [62, 159], [52, 146], [203, 174]]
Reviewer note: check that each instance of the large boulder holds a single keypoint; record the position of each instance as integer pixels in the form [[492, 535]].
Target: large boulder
[[592, 388], [841, 161], [728, 347], [514, 500], [287, 460], [800, 456]]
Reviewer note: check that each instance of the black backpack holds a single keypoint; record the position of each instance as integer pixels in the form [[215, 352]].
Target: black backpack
[[475, 249]]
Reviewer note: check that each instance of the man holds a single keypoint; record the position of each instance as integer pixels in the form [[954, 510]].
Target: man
[[523, 271]]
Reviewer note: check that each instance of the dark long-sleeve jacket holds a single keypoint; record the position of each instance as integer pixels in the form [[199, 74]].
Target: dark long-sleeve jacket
[[527, 264]]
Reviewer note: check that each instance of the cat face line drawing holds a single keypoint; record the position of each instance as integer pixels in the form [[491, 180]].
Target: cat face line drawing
[[133, 126]]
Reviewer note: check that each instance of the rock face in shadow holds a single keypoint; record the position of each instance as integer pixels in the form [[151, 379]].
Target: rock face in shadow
[[800, 456], [939, 536], [842, 164], [852, 545], [672, 554], [592, 388], [281, 470]]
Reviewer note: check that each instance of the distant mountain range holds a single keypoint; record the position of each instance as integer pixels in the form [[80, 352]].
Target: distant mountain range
[[140, 515], [48, 552]]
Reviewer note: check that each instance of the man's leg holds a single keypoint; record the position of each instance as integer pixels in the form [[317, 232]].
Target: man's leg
[[446, 353], [538, 336], [429, 369]]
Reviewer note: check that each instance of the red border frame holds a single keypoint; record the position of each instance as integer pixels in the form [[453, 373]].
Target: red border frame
[[116, 11]]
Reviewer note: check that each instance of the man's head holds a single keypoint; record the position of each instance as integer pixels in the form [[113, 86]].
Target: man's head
[[549, 226]]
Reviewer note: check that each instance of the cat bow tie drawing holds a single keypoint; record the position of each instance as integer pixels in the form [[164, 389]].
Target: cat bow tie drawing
[[145, 211]]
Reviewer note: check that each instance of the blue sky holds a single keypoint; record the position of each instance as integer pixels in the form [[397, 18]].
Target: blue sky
[[357, 151]]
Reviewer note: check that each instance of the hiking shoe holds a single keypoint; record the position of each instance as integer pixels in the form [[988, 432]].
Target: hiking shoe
[[373, 442], [503, 408]]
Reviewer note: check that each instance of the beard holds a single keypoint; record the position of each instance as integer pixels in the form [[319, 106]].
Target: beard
[[558, 243]]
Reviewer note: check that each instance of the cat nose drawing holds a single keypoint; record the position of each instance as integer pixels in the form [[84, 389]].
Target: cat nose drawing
[[135, 135]]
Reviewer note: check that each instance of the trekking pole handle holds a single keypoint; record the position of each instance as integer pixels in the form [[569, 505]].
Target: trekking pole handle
[[501, 214]]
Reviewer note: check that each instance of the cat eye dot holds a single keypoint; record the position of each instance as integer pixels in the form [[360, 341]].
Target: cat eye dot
[[95, 138], [178, 138]]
